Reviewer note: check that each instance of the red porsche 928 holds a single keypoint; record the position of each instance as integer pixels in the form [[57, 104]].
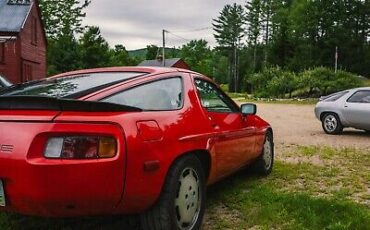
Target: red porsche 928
[[124, 140]]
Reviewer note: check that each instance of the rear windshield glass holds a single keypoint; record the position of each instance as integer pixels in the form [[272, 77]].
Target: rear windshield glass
[[335, 96], [69, 87]]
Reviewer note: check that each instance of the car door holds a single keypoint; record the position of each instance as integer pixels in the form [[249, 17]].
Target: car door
[[233, 134], [357, 109]]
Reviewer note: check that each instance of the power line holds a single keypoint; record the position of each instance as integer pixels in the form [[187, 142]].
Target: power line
[[178, 36], [193, 30]]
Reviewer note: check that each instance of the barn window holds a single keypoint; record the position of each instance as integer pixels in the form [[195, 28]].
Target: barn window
[[2, 52], [34, 31]]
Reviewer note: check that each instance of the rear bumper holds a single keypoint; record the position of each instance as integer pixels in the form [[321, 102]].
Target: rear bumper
[[37, 186], [61, 189]]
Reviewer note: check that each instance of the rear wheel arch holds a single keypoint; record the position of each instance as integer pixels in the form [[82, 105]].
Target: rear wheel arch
[[159, 216], [202, 155], [322, 115], [332, 126]]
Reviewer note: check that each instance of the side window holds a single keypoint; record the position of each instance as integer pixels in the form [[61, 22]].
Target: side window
[[212, 99], [162, 95], [362, 96]]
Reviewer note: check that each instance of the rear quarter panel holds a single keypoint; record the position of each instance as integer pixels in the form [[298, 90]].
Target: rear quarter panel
[[142, 188]]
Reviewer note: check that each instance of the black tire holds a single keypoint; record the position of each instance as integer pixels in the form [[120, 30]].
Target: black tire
[[331, 124], [165, 214], [264, 163]]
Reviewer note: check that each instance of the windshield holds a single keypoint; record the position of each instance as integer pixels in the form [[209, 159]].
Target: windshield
[[69, 87]]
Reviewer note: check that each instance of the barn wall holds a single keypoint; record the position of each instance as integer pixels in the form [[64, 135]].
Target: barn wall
[[33, 54], [181, 64], [10, 68]]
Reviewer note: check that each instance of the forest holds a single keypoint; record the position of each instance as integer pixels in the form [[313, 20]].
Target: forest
[[271, 48]]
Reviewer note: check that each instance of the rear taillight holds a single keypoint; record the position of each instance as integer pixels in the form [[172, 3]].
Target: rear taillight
[[80, 147]]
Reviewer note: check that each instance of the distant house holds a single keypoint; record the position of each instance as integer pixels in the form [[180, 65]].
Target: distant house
[[22, 41], [173, 62]]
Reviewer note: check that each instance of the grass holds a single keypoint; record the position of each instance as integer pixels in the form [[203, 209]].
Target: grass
[[310, 188], [283, 201]]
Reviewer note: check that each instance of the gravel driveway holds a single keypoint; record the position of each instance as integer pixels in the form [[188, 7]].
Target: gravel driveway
[[297, 125]]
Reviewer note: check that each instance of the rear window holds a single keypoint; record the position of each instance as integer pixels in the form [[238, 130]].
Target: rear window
[[160, 95], [335, 96], [70, 87]]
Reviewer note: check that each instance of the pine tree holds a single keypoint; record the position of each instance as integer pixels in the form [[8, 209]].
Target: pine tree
[[94, 49], [229, 30], [253, 20]]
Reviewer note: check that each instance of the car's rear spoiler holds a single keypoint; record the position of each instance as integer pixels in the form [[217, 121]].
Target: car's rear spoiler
[[59, 104]]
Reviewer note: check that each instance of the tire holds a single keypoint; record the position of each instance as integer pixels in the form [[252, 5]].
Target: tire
[[264, 163], [331, 124], [181, 205]]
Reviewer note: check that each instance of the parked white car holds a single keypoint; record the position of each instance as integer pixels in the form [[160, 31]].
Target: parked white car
[[349, 108]]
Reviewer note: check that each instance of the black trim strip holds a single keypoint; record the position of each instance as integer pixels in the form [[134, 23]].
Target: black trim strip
[[58, 104]]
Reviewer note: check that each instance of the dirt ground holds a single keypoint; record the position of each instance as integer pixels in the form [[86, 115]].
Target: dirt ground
[[297, 125]]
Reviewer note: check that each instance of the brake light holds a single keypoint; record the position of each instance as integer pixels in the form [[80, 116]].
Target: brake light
[[80, 147]]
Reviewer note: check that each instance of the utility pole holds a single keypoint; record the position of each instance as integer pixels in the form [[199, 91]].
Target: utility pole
[[336, 59], [164, 47]]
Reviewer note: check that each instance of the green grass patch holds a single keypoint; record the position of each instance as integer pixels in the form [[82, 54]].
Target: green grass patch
[[267, 204]]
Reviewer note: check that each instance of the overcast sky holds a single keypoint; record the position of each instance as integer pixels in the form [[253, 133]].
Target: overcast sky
[[138, 23]]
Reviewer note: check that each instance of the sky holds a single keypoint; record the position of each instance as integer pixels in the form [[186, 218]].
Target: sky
[[136, 24]]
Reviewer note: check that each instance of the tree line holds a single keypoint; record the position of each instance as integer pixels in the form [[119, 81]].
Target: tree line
[[295, 35], [282, 43]]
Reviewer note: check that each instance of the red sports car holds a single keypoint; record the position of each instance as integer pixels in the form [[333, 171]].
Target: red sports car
[[124, 141]]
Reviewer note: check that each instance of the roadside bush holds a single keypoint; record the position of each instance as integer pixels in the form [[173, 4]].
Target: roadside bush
[[273, 82], [326, 81]]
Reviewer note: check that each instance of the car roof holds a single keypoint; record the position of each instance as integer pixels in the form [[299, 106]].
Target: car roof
[[361, 88], [141, 69]]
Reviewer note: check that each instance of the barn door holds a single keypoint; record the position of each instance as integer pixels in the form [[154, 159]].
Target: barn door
[[26, 71]]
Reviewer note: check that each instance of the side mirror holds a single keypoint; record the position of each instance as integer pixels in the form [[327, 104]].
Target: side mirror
[[248, 109]]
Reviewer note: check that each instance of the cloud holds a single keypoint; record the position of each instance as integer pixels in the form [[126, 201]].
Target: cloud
[[136, 24]]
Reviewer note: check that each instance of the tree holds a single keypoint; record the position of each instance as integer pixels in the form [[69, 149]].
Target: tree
[[253, 20], [94, 49], [198, 55], [151, 52], [229, 30], [63, 17], [63, 54], [120, 57]]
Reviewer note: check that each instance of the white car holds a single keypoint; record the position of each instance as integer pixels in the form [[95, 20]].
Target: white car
[[349, 108]]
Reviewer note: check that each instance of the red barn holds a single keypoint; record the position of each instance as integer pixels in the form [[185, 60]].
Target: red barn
[[173, 62], [22, 41]]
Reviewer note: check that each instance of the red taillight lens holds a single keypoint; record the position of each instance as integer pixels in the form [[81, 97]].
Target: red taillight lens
[[80, 147]]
